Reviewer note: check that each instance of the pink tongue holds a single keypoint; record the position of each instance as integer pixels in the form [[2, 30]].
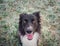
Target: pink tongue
[[30, 36]]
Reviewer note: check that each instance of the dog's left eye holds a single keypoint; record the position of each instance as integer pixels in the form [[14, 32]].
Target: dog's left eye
[[33, 21]]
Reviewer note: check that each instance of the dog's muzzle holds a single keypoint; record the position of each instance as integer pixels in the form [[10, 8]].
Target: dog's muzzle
[[29, 29], [29, 33]]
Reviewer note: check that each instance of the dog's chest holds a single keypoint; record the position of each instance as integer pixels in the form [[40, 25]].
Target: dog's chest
[[32, 42]]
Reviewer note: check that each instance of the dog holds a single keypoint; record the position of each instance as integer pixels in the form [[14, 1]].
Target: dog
[[29, 29]]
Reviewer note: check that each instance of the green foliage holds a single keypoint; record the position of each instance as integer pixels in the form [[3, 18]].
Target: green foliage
[[1, 1]]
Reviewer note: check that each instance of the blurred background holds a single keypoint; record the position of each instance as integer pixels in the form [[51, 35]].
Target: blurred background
[[50, 20]]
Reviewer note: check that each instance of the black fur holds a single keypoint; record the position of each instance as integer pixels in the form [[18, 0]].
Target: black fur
[[37, 14]]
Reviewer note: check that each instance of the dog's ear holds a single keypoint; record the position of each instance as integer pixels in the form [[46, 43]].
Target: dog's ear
[[37, 14], [21, 30]]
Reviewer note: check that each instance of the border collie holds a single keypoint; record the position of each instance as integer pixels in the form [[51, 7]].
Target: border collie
[[29, 29]]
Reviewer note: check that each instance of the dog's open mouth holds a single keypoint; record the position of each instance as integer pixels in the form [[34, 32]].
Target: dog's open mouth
[[29, 36]]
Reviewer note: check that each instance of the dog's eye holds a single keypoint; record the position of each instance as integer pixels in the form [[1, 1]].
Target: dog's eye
[[25, 21], [33, 20]]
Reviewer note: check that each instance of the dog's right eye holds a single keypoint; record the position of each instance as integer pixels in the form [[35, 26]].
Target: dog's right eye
[[25, 21]]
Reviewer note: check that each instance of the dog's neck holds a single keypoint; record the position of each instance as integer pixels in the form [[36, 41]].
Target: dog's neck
[[33, 42]]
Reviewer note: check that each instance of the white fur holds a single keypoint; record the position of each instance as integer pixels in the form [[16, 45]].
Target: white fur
[[32, 42]]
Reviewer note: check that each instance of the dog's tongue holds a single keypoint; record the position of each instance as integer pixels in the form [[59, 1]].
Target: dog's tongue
[[30, 36]]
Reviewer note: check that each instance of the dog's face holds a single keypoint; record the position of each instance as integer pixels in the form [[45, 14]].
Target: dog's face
[[29, 23]]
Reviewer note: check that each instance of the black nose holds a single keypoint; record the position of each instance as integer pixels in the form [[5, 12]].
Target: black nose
[[29, 32]]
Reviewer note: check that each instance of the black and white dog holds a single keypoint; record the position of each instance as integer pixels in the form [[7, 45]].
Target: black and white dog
[[29, 29]]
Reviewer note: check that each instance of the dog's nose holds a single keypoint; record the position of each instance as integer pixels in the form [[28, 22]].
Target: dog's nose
[[29, 32]]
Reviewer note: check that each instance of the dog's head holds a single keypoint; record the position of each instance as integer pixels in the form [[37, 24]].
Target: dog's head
[[29, 23]]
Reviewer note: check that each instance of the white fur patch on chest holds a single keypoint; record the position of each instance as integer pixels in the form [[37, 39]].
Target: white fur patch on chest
[[32, 42]]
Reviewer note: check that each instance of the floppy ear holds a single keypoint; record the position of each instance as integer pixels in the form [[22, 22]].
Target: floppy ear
[[37, 14], [21, 30]]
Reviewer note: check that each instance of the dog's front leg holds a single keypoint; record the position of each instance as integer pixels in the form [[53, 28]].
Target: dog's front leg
[[39, 43], [20, 43]]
